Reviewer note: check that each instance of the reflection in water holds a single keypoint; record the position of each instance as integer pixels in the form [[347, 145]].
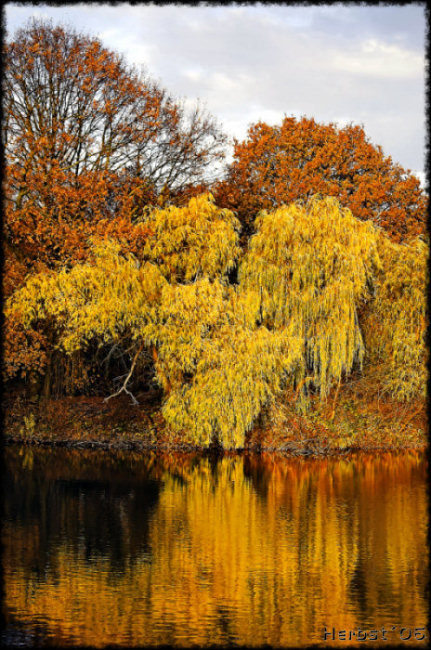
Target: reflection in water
[[102, 548]]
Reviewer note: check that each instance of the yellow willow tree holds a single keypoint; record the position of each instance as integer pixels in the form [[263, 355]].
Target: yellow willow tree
[[216, 368], [109, 298], [311, 266], [311, 277], [395, 323], [223, 369]]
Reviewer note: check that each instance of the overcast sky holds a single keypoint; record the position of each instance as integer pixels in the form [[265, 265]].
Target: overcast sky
[[337, 63]]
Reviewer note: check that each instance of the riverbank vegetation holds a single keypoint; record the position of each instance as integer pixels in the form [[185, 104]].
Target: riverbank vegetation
[[282, 307]]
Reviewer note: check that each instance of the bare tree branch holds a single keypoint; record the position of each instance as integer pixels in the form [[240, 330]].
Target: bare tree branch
[[123, 387]]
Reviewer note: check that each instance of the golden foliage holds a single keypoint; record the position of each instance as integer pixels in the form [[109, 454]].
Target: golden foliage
[[395, 324], [198, 239], [108, 297], [313, 277], [237, 373], [311, 265]]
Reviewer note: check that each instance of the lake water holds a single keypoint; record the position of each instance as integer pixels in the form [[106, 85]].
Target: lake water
[[134, 549]]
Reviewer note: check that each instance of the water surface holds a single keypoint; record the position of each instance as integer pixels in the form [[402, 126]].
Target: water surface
[[132, 549]]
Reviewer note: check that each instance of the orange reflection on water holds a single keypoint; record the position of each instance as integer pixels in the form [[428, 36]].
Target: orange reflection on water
[[247, 550]]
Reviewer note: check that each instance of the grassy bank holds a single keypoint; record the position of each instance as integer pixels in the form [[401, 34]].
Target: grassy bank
[[328, 428]]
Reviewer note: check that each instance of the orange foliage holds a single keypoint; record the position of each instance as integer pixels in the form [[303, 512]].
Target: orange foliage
[[89, 143], [280, 164], [87, 139], [69, 99], [51, 227]]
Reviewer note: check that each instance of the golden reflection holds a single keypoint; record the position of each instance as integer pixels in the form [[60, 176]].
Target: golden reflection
[[247, 550]]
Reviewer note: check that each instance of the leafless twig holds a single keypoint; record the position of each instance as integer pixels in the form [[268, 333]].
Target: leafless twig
[[123, 387]]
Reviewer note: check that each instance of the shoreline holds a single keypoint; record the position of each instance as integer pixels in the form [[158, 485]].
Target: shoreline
[[82, 422], [291, 450]]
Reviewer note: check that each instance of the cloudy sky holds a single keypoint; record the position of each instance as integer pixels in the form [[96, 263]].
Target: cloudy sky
[[337, 63]]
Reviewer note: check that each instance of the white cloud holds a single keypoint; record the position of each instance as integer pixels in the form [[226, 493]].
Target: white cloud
[[377, 59], [195, 75]]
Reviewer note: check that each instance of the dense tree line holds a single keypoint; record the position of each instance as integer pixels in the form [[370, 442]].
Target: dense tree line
[[307, 263]]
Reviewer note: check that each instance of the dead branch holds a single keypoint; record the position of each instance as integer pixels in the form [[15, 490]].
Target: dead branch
[[123, 387]]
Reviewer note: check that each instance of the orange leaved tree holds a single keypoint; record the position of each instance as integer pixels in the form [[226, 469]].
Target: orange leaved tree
[[89, 142], [276, 165], [87, 137]]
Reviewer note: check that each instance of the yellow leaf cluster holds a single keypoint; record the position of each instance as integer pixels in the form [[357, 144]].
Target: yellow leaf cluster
[[107, 298], [395, 324], [222, 369], [235, 377], [193, 241], [311, 265]]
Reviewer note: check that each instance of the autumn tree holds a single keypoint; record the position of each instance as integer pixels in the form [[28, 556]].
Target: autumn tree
[[276, 165], [353, 297], [186, 246], [84, 133], [222, 352], [395, 322], [310, 267], [89, 142], [71, 100]]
